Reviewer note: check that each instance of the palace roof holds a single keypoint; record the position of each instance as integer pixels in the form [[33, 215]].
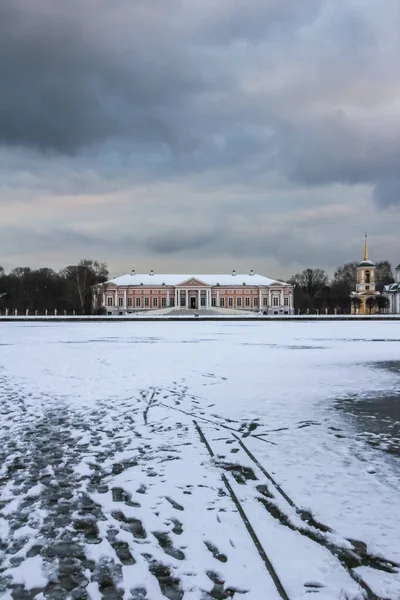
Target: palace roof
[[392, 287], [225, 279]]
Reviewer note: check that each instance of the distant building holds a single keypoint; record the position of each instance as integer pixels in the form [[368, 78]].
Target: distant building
[[392, 293], [151, 291], [363, 300]]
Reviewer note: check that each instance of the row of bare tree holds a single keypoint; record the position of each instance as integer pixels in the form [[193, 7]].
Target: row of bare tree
[[71, 288], [314, 291], [44, 289]]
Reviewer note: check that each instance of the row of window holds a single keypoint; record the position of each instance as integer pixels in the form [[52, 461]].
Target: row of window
[[138, 302]]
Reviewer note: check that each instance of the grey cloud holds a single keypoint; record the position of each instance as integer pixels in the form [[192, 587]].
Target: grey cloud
[[337, 148], [178, 241], [387, 191]]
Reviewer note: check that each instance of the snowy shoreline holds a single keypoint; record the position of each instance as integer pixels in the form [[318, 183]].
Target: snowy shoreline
[[191, 318]]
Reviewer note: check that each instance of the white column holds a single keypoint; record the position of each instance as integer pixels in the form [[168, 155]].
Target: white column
[[187, 299], [217, 297], [103, 300], [125, 298], [260, 300], [168, 298], [116, 297]]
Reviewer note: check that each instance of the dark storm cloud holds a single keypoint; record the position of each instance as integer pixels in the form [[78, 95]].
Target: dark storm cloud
[[307, 90]]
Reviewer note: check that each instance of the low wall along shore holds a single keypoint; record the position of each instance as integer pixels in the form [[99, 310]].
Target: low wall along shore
[[199, 317]]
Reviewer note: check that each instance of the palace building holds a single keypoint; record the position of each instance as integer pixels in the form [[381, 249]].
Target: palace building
[[154, 291], [365, 287], [392, 293]]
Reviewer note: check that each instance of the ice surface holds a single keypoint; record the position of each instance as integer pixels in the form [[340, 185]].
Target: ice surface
[[128, 447]]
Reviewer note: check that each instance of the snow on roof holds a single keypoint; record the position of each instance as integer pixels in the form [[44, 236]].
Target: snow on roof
[[224, 279]]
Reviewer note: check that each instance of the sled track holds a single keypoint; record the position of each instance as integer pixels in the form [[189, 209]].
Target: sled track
[[320, 529], [215, 423], [313, 529], [274, 576]]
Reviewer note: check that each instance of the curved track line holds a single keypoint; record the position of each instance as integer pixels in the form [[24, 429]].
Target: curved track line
[[273, 574]]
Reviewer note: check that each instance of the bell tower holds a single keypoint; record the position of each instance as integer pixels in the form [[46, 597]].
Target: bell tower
[[363, 300], [366, 272]]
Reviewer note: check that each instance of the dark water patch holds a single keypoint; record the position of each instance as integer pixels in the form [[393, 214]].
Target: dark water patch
[[389, 365], [376, 420]]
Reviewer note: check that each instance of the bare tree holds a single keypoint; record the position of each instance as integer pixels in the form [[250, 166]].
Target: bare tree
[[371, 303], [347, 275], [356, 302], [382, 303], [383, 275], [312, 281], [80, 279]]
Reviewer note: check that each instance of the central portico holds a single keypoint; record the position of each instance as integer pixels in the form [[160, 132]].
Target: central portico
[[193, 294]]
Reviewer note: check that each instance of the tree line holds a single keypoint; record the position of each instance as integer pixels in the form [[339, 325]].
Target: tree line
[[70, 289], [314, 291], [41, 290]]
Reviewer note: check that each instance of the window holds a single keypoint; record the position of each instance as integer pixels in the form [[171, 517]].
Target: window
[[286, 301], [172, 301], [130, 302], [213, 302], [247, 301], [120, 301], [265, 301], [367, 277], [183, 301], [202, 301], [163, 301], [276, 301], [239, 302], [109, 301], [256, 301], [367, 287], [222, 302], [147, 302], [230, 302], [137, 302], [155, 302]]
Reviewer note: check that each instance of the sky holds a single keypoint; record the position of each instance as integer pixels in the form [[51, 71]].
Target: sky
[[199, 136]]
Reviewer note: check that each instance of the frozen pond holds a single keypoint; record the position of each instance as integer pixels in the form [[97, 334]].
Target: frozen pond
[[200, 460]]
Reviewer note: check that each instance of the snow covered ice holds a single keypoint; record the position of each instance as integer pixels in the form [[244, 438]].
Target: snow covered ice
[[144, 461]]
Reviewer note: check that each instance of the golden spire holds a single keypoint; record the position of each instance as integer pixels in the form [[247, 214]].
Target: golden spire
[[366, 247]]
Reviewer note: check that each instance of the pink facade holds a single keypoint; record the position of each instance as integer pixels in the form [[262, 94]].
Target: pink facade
[[240, 292]]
